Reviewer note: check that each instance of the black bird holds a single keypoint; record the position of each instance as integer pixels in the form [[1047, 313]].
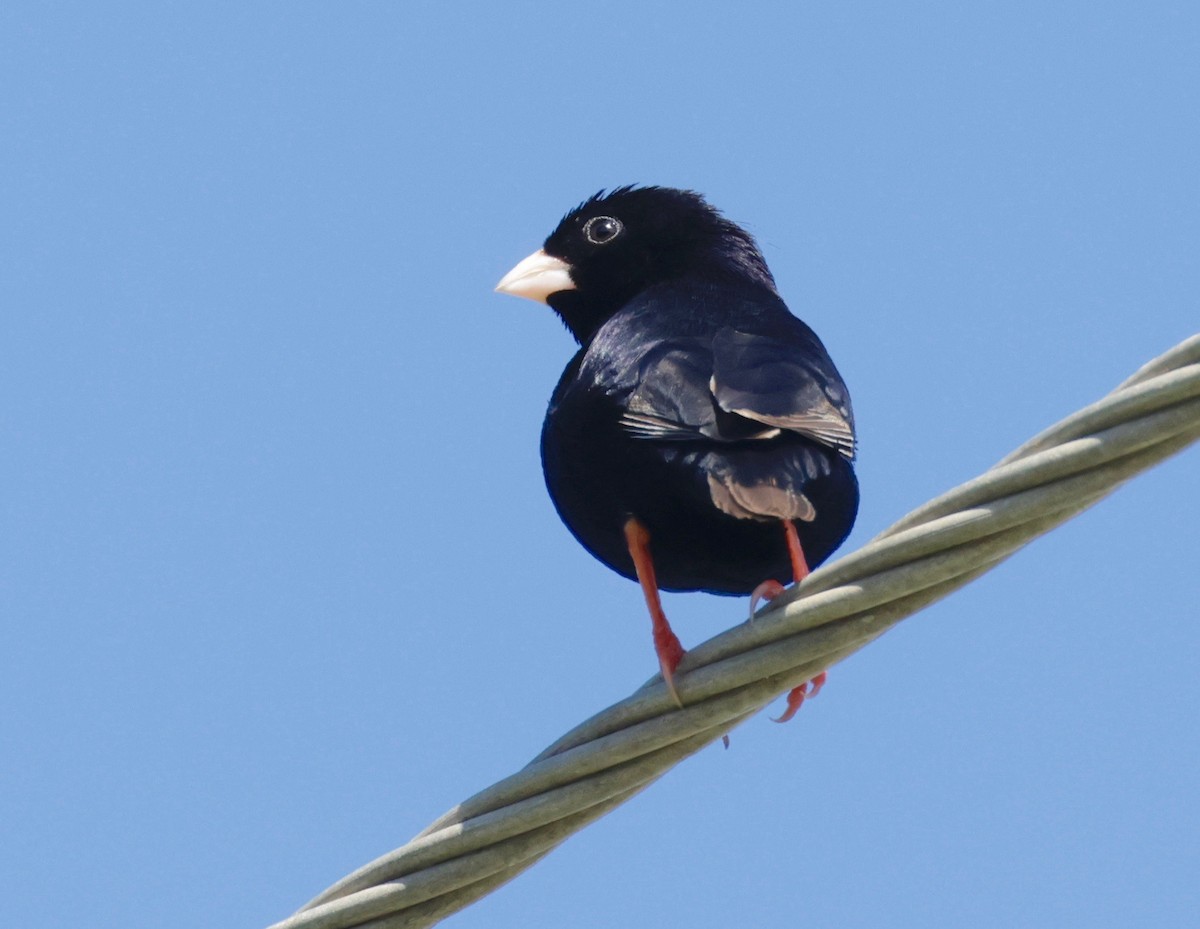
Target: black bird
[[701, 438]]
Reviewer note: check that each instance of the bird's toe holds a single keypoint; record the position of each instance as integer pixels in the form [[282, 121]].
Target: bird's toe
[[767, 590], [797, 696]]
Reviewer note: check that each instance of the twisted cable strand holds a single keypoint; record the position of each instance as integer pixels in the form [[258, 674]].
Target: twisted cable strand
[[939, 547]]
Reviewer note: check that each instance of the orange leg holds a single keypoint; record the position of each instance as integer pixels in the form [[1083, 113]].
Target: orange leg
[[666, 643], [795, 552]]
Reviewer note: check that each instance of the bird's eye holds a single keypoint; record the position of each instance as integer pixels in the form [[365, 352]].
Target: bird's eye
[[600, 230]]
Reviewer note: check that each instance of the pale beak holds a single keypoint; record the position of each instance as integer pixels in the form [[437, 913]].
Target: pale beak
[[537, 277]]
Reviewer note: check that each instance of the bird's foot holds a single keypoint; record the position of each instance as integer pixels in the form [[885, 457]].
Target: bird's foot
[[797, 696], [767, 590], [670, 653]]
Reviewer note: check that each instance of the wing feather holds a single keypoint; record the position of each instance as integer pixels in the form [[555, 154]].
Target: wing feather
[[778, 383]]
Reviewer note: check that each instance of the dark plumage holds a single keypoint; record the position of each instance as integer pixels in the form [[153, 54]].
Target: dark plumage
[[699, 418]]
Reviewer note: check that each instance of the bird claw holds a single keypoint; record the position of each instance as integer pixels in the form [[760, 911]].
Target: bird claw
[[670, 653], [817, 683], [797, 696], [767, 590]]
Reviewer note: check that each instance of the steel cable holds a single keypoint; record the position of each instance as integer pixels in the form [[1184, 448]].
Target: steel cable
[[939, 547]]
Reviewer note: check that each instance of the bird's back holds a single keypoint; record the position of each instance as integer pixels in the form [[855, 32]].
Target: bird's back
[[637, 425]]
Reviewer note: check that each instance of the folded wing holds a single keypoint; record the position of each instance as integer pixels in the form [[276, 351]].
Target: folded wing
[[780, 384], [734, 394]]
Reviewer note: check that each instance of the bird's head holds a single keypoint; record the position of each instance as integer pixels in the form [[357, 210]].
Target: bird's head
[[616, 244]]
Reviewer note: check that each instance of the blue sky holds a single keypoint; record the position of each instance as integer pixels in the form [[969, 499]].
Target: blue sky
[[279, 580]]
